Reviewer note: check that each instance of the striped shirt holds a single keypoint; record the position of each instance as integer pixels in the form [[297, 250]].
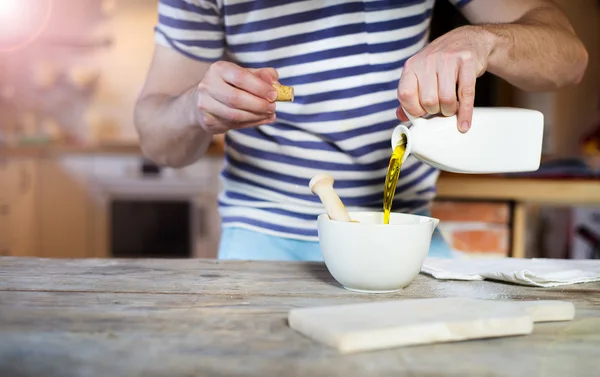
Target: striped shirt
[[344, 59]]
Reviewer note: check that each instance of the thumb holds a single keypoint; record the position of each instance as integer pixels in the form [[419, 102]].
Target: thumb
[[268, 75], [401, 115]]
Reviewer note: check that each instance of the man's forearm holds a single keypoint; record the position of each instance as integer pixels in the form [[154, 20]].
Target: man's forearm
[[170, 133], [540, 51]]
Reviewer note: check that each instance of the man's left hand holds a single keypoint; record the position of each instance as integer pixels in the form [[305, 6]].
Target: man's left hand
[[429, 80]]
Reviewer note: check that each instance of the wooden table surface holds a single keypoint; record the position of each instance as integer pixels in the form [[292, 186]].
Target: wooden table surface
[[206, 318]]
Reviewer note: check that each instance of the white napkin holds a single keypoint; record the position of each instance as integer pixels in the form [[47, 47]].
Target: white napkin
[[532, 272]]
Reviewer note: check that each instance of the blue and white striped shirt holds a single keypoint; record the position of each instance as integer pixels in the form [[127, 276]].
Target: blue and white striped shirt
[[344, 59]]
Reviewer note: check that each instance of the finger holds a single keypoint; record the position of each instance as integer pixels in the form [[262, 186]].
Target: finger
[[408, 94], [447, 78], [466, 96], [428, 88], [268, 75], [210, 105], [400, 114], [236, 126], [213, 124], [243, 79], [216, 125], [236, 98]]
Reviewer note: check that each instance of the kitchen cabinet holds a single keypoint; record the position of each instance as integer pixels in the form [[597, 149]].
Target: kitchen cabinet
[[60, 206], [64, 208], [45, 209], [4, 211], [18, 206], [4, 250]]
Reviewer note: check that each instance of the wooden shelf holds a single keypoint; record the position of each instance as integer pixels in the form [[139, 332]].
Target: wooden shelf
[[531, 190], [520, 192]]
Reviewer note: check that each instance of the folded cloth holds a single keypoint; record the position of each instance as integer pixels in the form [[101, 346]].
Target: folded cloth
[[532, 272]]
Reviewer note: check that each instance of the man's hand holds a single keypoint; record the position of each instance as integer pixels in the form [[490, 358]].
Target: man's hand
[[428, 84], [529, 43], [232, 97]]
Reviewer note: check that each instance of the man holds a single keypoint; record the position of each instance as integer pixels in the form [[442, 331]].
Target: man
[[354, 65]]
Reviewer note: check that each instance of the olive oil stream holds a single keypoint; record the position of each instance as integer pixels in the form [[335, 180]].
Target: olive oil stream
[[391, 179]]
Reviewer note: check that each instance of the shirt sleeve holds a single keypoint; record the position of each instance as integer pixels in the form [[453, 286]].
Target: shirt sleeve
[[192, 27], [459, 3]]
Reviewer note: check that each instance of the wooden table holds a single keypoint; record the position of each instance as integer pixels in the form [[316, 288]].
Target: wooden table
[[193, 317], [520, 192]]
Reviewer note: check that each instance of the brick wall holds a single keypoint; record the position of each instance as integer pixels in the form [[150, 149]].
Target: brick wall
[[477, 229]]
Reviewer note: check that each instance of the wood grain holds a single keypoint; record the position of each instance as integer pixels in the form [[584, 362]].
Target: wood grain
[[529, 190], [207, 318], [519, 231], [64, 221], [22, 183]]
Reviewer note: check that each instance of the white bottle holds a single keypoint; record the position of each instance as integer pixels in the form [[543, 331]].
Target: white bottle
[[500, 140]]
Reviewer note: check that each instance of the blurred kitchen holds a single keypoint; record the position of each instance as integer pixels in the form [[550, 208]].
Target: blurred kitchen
[[73, 182]]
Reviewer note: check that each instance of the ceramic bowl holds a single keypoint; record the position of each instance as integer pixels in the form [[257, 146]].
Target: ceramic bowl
[[373, 257]]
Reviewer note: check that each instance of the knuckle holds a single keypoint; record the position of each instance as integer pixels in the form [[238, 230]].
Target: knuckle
[[467, 56], [429, 102], [233, 99], [201, 104], [410, 63], [446, 56], [202, 88], [206, 120], [273, 72], [218, 65], [263, 107], [467, 92], [431, 59], [466, 107], [406, 94], [232, 116], [237, 77], [447, 99]]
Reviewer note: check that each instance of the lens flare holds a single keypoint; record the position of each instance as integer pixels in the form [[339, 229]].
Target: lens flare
[[9, 7], [22, 22]]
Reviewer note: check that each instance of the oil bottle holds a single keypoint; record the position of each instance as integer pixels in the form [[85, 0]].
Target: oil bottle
[[500, 140]]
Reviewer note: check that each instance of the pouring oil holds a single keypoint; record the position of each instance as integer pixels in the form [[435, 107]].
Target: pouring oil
[[391, 179]]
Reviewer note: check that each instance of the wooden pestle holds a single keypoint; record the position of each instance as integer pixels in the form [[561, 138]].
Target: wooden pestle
[[322, 185]]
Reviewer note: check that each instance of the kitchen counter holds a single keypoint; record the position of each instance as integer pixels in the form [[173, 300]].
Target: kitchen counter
[[48, 151], [554, 191], [105, 317], [520, 192]]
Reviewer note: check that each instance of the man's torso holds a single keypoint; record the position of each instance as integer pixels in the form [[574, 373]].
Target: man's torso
[[344, 60]]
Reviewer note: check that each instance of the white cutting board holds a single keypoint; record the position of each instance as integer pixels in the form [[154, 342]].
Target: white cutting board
[[378, 325]]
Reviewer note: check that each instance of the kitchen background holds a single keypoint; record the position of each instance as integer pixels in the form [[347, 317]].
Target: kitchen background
[[74, 184]]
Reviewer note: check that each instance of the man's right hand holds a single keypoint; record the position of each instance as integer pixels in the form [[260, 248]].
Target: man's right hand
[[232, 97]]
